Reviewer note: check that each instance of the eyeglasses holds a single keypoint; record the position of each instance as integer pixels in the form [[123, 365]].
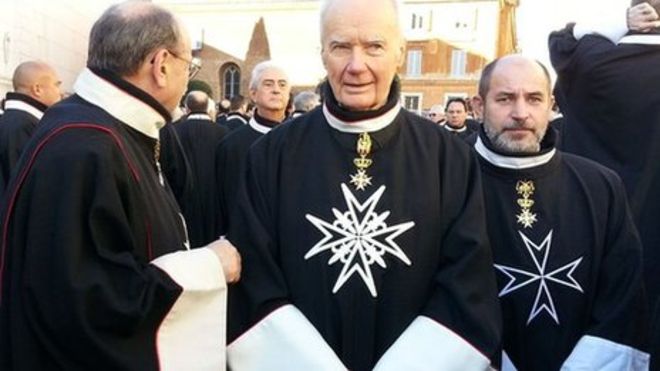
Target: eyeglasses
[[194, 65]]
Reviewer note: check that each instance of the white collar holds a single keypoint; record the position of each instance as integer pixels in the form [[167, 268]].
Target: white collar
[[263, 129], [19, 105], [460, 130], [237, 116], [199, 116], [368, 125], [510, 162], [641, 39], [119, 104]]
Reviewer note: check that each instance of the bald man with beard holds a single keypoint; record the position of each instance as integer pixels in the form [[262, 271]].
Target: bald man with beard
[[36, 87]]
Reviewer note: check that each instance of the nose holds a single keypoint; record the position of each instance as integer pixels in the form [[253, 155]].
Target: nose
[[358, 62], [520, 110]]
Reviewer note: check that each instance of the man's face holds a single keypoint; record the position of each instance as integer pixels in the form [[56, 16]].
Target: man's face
[[456, 115], [517, 106], [272, 92], [49, 88], [362, 49], [179, 64]]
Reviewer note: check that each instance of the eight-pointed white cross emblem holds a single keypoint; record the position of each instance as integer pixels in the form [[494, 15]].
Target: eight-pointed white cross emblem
[[358, 238], [519, 278]]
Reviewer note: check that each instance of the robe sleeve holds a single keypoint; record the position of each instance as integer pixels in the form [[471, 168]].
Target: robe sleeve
[[460, 327], [14, 144], [265, 331], [614, 339], [79, 278]]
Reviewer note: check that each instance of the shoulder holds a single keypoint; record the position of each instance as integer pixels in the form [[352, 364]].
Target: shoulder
[[590, 171]]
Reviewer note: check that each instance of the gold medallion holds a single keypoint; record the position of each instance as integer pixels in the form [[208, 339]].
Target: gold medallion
[[525, 189], [361, 180]]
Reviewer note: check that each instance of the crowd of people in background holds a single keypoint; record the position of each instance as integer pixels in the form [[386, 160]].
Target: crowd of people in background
[[148, 227]]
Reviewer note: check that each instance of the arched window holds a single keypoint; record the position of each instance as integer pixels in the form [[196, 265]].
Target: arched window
[[231, 81]]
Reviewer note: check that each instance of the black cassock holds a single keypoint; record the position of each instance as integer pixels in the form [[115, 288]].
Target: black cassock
[[22, 113], [395, 276], [199, 137], [611, 107], [568, 260], [230, 157], [94, 267]]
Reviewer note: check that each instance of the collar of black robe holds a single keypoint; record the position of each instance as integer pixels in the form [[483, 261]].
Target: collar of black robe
[[453, 129], [361, 121], [261, 124], [510, 160], [25, 103], [122, 100], [640, 38]]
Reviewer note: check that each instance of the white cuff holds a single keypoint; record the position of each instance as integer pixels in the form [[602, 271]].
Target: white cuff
[[611, 24], [594, 353], [192, 334], [428, 345], [283, 340]]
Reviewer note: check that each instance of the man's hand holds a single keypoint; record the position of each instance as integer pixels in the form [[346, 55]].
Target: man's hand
[[642, 18], [229, 258]]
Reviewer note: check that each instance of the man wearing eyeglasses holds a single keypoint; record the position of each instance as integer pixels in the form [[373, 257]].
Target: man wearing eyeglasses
[[95, 265]]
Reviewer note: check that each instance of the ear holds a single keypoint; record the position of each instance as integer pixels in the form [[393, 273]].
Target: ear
[[160, 67], [478, 103], [36, 90], [253, 94], [402, 53]]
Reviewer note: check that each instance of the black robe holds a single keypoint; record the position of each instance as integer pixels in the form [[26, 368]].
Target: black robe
[[94, 268], [230, 157], [236, 120], [16, 127], [395, 276], [570, 268], [611, 111], [199, 138]]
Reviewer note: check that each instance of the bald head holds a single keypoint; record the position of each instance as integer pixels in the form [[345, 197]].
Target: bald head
[[515, 59], [389, 8], [127, 33], [37, 80], [197, 102]]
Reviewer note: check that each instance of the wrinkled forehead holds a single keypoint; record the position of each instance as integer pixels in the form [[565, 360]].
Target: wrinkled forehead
[[523, 76], [366, 19], [274, 74]]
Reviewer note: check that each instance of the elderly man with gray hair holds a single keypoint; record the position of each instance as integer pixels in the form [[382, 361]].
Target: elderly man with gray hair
[[96, 269], [361, 226]]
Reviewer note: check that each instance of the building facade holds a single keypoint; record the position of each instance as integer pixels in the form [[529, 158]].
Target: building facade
[[448, 43]]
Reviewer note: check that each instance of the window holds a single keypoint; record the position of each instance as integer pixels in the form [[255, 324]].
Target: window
[[231, 81], [417, 22], [414, 63], [458, 63], [412, 102]]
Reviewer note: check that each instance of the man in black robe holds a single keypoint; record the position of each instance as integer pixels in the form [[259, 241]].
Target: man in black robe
[[237, 117], [269, 89], [611, 106], [361, 226], [566, 251], [36, 87], [95, 268], [199, 136], [457, 121]]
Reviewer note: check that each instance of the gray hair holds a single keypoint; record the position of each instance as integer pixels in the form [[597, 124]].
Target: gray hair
[[306, 101], [126, 33], [260, 69], [487, 74]]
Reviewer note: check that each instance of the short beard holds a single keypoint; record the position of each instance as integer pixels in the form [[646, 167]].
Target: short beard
[[500, 142]]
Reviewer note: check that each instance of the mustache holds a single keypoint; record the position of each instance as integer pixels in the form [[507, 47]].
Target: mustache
[[517, 125]]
